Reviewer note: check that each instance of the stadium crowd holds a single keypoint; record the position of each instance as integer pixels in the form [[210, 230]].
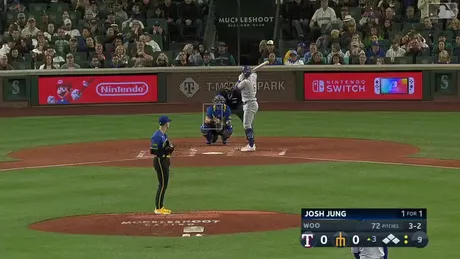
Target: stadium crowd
[[72, 34], [369, 32]]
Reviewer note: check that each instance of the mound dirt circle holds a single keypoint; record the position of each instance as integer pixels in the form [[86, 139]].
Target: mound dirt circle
[[198, 223]]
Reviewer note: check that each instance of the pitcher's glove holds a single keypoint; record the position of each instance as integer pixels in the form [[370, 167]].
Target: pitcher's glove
[[169, 148]]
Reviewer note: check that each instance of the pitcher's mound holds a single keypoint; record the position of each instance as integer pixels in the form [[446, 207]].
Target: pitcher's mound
[[188, 224]]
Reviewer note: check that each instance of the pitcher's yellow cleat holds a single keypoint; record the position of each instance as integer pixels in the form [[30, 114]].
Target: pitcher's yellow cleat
[[162, 211]]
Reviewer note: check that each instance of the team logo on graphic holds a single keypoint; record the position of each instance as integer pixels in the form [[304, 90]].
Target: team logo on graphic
[[318, 86], [189, 87]]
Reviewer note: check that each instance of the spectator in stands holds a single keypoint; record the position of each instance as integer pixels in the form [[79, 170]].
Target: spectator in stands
[[25, 47], [195, 57], [49, 64], [380, 61], [335, 50], [294, 59], [316, 59], [456, 48], [375, 51], [313, 50], [95, 63], [100, 52], [144, 52], [263, 51], [454, 26], [324, 43], [336, 60], [443, 57], [38, 54], [73, 46], [301, 51], [50, 32], [443, 37], [322, 18], [223, 57], [90, 45], [410, 15], [387, 29], [183, 61], [117, 63], [57, 59], [158, 30], [158, 13], [189, 16], [6, 48], [120, 14], [372, 37], [140, 62], [347, 35], [162, 60], [70, 62], [110, 20], [273, 61], [61, 45], [395, 51], [145, 6], [120, 51], [270, 46], [21, 21], [208, 60], [4, 63], [30, 29], [14, 56], [72, 32], [299, 12], [362, 59], [354, 51], [170, 12], [137, 15]]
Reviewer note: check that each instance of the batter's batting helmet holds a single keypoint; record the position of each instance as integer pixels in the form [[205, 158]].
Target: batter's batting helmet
[[246, 71]]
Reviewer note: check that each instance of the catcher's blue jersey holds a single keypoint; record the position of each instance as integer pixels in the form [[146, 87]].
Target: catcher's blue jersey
[[221, 112]]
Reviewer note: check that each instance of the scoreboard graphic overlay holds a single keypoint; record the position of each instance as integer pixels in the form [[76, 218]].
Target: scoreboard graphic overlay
[[364, 228]]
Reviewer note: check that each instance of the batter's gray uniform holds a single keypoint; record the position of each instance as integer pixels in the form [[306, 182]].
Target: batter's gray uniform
[[369, 252], [248, 88]]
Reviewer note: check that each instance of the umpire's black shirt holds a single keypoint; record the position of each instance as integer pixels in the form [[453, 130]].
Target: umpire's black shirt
[[233, 100]]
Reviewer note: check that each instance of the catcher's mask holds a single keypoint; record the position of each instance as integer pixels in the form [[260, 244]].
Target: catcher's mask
[[219, 100]]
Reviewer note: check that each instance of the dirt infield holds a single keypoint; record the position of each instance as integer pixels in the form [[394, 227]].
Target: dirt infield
[[187, 224], [270, 106], [192, 152]]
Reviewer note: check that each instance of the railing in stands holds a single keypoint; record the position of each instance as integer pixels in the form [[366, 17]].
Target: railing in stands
[[210, 30]]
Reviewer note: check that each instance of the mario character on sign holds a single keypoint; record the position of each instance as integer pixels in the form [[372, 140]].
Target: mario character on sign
[[66, 94]]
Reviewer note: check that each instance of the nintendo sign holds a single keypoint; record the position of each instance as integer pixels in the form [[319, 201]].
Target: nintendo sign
[[363, 86], [66, 90]]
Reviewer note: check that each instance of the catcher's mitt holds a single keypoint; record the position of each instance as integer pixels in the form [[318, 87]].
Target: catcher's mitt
[[169, 148]]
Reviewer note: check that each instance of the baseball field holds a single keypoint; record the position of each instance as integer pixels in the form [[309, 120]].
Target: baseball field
[[83, 186]]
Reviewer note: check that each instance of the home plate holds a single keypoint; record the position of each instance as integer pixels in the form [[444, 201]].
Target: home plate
[[213, 153]]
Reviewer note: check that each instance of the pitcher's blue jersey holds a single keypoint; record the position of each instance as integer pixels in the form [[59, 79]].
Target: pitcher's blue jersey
[[221, 112], [158, 143]]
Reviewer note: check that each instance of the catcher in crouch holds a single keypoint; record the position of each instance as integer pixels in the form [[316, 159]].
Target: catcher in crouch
[[217, 122]]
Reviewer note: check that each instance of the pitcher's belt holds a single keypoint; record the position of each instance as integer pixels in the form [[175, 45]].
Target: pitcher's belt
[[249, 101]]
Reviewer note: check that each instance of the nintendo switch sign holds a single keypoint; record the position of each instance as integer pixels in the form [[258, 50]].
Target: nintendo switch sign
[[97, 89], [363, 86]]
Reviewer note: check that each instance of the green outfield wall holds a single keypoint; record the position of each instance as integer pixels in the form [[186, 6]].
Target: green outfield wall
[[21, 88]]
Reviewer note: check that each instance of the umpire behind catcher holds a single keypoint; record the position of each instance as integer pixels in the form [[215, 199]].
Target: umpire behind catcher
[[162, 149], [233, 100]]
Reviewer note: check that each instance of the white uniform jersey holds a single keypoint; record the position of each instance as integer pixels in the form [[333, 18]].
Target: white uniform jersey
[[248, 87], [369, 252]]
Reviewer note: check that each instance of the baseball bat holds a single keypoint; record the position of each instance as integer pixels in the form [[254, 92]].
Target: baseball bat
[[259, 66]]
